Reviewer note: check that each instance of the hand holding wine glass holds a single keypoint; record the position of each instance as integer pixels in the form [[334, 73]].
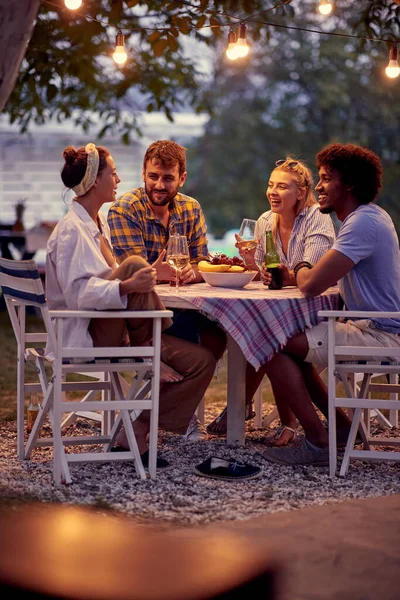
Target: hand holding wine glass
[[246, 242], [177, 255]]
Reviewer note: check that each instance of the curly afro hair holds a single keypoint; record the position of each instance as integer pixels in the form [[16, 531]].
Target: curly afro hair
[[358, 167]]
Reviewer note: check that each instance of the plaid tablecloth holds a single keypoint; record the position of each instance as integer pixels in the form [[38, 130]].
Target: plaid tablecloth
[[259, 320]]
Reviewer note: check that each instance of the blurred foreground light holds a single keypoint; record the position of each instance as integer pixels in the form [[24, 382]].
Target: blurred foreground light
[[73, 4]]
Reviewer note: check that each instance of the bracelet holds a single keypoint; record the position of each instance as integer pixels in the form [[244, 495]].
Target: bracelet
[[301, 265]]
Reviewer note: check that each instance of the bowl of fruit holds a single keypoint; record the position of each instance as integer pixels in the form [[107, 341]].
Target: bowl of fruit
[[222, 271]]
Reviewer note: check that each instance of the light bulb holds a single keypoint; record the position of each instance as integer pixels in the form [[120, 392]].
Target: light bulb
[[242, 48], [231, 50], [119, 55], [73, 4], [325, 8], [393, 69]]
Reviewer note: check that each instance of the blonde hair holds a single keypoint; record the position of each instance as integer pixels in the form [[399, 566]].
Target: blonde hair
[[304, 181]]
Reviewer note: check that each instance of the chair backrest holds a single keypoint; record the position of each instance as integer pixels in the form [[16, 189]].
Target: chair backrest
[[20, 280], [22, 286]]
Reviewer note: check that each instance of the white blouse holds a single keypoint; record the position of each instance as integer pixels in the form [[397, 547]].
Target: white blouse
[[77, 272]]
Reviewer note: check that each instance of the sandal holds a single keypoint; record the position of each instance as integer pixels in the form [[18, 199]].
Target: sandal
[[228, 470], [273, 440], [218, 426]]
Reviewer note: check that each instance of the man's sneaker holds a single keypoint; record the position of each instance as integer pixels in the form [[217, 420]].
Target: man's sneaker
[[196, 431], [301, 454]]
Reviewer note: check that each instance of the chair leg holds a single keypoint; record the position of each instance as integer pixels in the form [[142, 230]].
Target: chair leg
[[20, 404], [394, 414], [133, 444], [268, 419], [258, 406], [350, 441]]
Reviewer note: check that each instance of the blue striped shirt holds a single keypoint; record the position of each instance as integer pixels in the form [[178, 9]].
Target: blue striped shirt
[[312, 235]]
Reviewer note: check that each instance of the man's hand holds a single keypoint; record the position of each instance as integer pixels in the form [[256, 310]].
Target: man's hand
[[189, 274], [266, 276], [141, 282], [164, 271]]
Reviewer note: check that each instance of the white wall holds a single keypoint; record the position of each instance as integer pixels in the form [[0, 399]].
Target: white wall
[[30, 164]]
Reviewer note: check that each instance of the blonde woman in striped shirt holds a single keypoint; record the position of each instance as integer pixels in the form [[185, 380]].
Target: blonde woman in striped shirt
[[301, 233]]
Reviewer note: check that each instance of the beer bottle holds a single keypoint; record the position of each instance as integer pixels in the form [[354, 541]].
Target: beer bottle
[[32, 412], [272, 261]]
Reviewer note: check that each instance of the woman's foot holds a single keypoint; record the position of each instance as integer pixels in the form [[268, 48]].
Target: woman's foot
[[218, 426], [283, 436]]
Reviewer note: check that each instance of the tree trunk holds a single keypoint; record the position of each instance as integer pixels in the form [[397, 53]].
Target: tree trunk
[[17, 19]]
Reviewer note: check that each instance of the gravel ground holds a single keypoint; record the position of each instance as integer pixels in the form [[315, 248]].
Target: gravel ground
[[180, 496]]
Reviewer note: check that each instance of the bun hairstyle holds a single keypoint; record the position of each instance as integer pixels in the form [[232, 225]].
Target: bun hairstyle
[[75, 166]]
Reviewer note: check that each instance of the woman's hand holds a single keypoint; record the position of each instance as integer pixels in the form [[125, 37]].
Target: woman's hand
[[247, 255], [141, 282]]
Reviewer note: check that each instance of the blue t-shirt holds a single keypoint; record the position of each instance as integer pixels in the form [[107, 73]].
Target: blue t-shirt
[[368, 237]]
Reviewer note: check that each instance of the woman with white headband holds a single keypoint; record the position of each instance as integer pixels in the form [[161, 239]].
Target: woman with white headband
[[82, 274]]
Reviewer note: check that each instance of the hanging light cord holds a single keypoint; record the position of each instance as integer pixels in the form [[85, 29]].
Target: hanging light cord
[[249, 19]]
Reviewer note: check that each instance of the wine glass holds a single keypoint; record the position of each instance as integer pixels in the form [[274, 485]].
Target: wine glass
[[177, 255], [247, 235]]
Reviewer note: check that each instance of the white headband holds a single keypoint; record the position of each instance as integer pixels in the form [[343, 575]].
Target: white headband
[[92, 168]]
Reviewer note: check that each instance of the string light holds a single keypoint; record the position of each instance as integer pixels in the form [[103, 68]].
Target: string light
[[242, 48], [231, 50], [325, 7], [237, 45], [73, 4], [120, 55], [393, 69]]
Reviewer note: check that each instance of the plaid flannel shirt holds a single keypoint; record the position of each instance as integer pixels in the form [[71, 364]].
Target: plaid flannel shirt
[[136, 230]]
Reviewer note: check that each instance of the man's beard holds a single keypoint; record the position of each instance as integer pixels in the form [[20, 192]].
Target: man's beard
[[326, 210], [160, 201]]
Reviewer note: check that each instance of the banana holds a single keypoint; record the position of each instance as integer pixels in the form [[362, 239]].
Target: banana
[[236, 269], [206, 266]]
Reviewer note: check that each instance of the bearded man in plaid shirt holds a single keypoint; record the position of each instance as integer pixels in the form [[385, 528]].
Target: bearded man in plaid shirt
[[141, 222]]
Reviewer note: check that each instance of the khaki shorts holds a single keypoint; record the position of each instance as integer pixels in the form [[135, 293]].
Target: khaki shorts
[[351, 333]]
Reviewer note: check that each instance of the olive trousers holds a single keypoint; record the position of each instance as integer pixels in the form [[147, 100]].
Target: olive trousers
[[178, 400]]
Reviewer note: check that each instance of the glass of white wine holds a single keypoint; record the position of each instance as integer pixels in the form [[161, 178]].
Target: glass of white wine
[[177, 255], [247, 234]]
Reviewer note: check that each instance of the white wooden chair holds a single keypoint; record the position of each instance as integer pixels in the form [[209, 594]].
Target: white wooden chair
[[22, 287], [343, 363]]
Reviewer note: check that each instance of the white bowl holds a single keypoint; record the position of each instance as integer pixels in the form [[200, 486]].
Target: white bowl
[[228, 280]]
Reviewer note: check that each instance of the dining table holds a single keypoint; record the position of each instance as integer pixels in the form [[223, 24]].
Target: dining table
[[258, 322]]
